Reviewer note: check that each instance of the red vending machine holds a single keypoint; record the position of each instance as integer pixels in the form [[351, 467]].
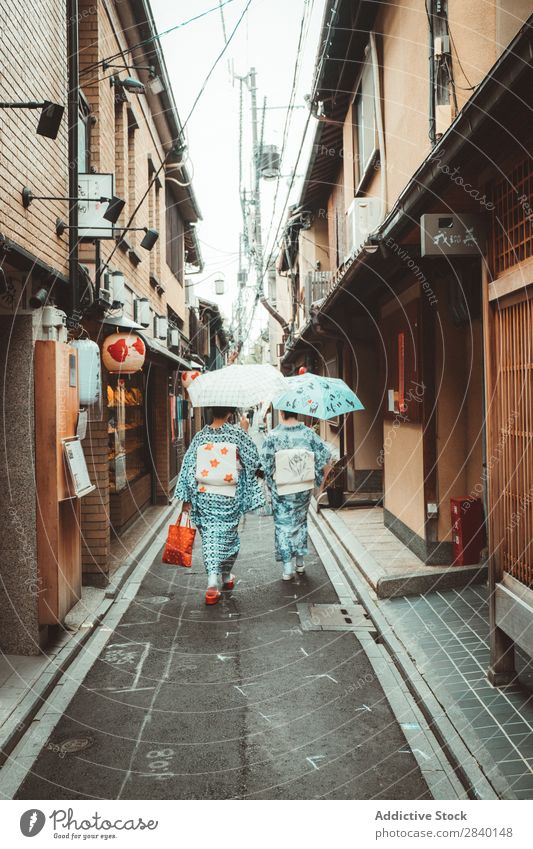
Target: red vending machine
[[468, 530]]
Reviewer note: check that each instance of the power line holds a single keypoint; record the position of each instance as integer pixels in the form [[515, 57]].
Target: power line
[[288, 115], [158, 36], [193, 107]]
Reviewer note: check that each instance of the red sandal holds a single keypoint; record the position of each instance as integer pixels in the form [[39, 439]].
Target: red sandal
[[230, 583], [212, 595]]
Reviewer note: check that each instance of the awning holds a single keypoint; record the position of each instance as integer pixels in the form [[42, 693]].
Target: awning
[[156, 347]]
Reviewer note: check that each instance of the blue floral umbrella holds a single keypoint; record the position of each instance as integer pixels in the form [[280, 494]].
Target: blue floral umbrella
[[321, 397]]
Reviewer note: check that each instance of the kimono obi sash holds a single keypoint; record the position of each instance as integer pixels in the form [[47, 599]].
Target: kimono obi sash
[[295, 470], [217, 468]]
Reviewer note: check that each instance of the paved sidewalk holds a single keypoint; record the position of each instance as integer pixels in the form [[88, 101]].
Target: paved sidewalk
[[26, 681], [446, 633], [389, 566]]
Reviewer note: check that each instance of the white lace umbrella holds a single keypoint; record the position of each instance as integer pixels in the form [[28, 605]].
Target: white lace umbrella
[[236, 386]]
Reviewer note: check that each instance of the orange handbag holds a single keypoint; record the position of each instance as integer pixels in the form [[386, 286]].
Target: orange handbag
[[180, 541]]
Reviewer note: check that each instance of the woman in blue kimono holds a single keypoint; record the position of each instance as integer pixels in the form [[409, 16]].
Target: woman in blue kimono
[[290, 511], [217, 516]]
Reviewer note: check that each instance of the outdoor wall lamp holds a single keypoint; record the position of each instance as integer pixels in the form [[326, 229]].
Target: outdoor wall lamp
[[51, 115], [112, 213], [150, 235], [127, 84], [40, 298]]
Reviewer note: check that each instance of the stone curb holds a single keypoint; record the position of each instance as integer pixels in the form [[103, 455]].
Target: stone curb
[[18, 723]]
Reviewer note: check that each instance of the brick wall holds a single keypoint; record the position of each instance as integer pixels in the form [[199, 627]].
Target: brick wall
[[33, 61], [95, 507], [160, 435], [115, 150]]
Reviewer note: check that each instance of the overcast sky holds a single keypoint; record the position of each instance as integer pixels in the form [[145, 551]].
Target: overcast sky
[[266, 39]]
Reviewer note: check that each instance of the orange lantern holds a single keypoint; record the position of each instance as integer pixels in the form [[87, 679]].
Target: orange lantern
[[188, 376], [123, 353], [302, 370]]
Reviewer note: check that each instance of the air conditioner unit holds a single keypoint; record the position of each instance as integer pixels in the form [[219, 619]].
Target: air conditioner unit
[[49, 324], [141, 309], [362, 218], [174, 337], [160, 327]]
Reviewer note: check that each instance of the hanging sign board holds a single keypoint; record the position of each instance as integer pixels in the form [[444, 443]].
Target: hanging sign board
[[91, 221], [450, 234], [75, 461]]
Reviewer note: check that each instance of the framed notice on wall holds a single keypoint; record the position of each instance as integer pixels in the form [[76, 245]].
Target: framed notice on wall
[[77, 467]]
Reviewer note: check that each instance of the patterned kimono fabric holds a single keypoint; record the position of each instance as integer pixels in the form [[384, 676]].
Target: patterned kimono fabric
[[217, 516], [290, 511]]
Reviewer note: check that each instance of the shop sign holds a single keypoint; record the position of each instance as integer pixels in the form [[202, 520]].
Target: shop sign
[[451, 234]]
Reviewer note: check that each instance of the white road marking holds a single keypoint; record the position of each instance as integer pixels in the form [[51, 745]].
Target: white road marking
[[324, 675], [314, 758], [407, 751]]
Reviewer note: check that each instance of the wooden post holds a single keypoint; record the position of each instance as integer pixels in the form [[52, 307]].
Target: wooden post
[[502, 661]]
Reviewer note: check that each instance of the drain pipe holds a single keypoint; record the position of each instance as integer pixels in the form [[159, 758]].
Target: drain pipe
[[73, 117], [432, 124], [275, 314], [379, 125]]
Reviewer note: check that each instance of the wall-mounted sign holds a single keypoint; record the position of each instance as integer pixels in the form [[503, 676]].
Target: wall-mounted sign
[[452, 234], [75, 461], [91, 221]]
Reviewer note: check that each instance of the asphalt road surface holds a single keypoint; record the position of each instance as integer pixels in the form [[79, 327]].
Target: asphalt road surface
[[230, 701]]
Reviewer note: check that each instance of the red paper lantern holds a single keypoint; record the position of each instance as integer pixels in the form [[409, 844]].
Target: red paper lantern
[[302, 370], [123, 353], [188, 376]]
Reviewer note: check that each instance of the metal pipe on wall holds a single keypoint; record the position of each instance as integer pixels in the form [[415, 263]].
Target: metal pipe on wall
[[73, 166]]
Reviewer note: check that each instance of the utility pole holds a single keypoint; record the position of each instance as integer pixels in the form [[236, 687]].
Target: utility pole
[[256, 195]]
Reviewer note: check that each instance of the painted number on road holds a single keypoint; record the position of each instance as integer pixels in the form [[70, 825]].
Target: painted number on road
[[159, 762]]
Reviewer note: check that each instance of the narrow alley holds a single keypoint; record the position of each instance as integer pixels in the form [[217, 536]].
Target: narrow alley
[[235, 701]]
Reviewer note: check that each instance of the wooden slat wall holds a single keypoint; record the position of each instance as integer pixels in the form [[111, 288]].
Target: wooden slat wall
[[510, 455]]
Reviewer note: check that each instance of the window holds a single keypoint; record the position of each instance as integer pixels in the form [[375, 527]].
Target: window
[[364, 124], [84, 135], [175, 237], [126, 430]]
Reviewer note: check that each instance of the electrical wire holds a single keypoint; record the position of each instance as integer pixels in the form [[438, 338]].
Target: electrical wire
[[470, 86], [191, 111], [156, 37], [288, 115]]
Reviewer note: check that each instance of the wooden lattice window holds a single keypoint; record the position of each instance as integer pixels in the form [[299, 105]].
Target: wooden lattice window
[[512, 231], [510, 449]]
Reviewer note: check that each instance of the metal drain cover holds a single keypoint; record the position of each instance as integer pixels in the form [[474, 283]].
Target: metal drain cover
[[77, 744], [333, 617]]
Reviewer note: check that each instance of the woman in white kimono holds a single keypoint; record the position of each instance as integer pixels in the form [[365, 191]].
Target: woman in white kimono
[[216, 509], [290, 510]]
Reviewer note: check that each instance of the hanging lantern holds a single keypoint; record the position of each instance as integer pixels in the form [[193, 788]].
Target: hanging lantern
[[88, 371], [188, 376], [123, 353], [302, 370], [219, 286]]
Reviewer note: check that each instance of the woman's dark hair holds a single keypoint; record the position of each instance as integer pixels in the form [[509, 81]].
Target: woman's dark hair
[[289, 414], [221, 412]]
